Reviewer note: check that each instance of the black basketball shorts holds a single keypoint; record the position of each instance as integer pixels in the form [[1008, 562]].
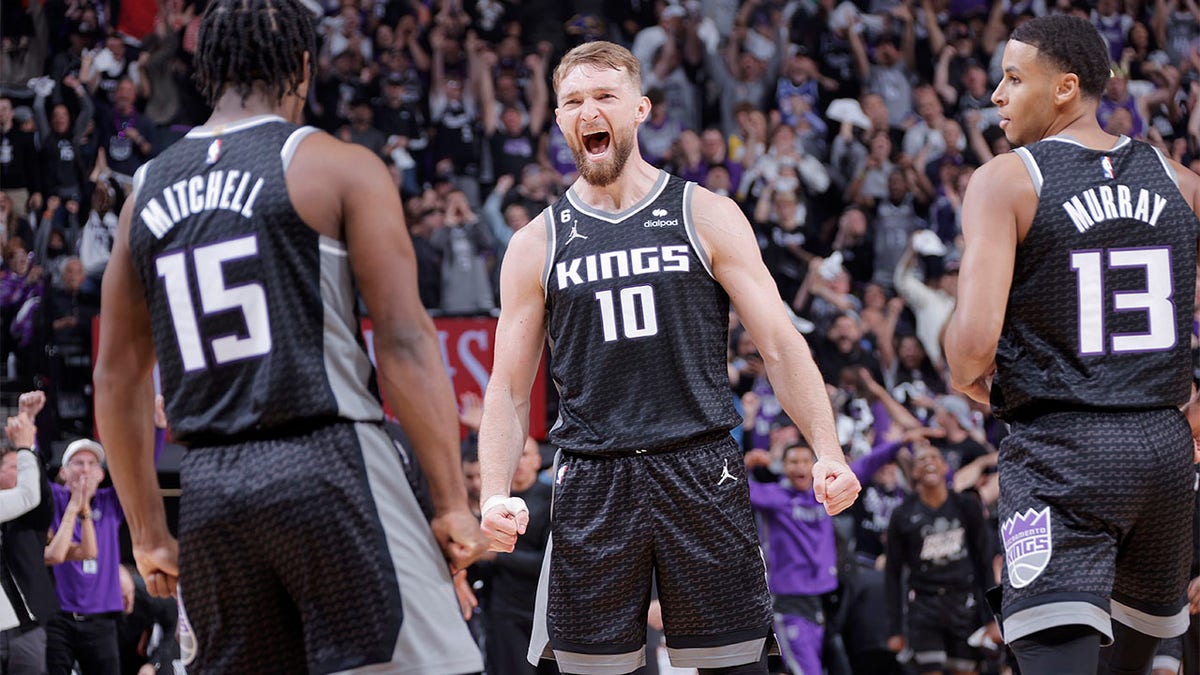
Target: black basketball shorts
[[681, 519], [1096, 518], [938, 627], [310, 554]]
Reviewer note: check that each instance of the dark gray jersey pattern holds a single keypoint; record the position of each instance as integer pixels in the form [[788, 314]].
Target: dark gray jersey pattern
[[252, 310], [1100, 311], [638, 327]]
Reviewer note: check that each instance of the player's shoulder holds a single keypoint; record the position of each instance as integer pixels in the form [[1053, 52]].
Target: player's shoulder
[[968, 500], [320, 159], [1008, 164], [903, 509], [1005, 176], [706, 203], [1186, 179], [710, 210], [331, 152], [525, 258], [529, 243]]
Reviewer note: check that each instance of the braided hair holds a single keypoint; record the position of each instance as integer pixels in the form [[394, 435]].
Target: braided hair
[[243, 42]]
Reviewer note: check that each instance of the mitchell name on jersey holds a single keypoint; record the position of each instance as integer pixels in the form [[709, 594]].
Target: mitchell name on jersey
[[1098, 204], [230, 190]]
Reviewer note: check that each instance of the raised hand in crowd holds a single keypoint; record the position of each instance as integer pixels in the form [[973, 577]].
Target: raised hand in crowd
[[757, 458], [21, 430], [470, 410], [31, 403], [750, 405], [505, 183]]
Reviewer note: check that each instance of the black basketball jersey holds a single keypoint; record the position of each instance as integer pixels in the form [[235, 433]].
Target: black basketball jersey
[[1100, 311], [637, 325], [252, 311]]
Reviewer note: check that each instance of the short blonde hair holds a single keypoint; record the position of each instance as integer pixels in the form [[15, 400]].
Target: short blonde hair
[[600, 54]]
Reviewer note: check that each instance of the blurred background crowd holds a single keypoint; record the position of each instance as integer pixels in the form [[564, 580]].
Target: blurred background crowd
[[846, 131]]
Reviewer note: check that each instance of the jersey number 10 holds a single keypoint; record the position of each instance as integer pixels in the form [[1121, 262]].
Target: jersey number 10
[[1155, 300], [634, 300], [215, 297]]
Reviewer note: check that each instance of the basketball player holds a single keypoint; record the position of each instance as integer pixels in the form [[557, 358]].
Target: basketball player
[[941, 537], [630, 275], [301, 546], [1074, 310]]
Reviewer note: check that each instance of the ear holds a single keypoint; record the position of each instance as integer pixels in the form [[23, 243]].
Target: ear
[[305, 76], [1067, 89], [643, 110]]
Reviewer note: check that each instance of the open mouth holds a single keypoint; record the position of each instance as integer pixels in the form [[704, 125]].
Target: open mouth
[[800, 479], [596, 142]]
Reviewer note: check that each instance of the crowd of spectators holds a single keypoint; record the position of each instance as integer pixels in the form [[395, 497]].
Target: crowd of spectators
[[846, 131]]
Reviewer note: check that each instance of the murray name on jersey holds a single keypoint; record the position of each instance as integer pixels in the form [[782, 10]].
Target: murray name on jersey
[[1101, 203], [229, 190], [622, 263]]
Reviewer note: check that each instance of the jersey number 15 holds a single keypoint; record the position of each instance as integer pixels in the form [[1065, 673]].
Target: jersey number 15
[[215, 296]]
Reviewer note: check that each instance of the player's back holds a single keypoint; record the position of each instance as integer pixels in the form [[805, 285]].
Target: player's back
[[252, 311], [1100, 310]]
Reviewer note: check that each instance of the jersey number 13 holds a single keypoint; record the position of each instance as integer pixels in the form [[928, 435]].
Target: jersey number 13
[[1154, 300]]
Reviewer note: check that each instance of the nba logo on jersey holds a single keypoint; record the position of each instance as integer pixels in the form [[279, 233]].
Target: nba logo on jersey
[[1027, 545], [214, 152], [1106, 166]]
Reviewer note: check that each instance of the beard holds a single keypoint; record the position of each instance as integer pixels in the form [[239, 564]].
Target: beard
[[603, 173]]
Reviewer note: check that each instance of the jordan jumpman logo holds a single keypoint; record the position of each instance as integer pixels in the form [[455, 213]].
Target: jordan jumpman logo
[[726, 475], [574, 234]]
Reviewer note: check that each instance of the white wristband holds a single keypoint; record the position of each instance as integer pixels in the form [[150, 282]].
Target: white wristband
[[512, 505]]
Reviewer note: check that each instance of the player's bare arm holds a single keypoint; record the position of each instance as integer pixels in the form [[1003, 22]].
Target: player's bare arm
[[406, 348], [125, 412], [522, 333], [999, 196], [737, 265], [1189, 187]]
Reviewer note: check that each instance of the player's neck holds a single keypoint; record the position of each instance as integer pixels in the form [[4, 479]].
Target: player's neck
[[933, 497], [1082, 127], [634, 183], [230, 107]]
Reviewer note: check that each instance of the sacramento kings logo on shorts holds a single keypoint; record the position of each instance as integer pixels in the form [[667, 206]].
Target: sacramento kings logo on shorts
[[1027, 545]]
